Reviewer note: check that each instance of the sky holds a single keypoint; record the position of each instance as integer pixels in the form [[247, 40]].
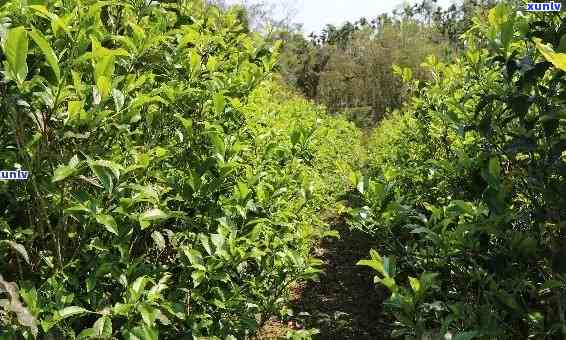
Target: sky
[[315, 14]]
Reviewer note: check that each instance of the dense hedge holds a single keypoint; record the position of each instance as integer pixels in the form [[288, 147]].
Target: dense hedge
[[465, 188], [166, 198]]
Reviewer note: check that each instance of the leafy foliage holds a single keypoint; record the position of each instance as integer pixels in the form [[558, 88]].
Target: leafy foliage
[[159, 204], [465, 188]]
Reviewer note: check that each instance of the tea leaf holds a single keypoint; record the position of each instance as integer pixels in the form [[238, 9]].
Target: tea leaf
[[108, 222], [45, 47], [71, 311], [16, 50], [557, 59]]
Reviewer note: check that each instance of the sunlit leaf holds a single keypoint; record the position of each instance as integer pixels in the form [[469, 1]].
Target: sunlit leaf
[[415, 284], [219, 103], [62, 172], [152, 215], [48, 52], [71, 311], [103, 327], [108, 222], [557, 59], [198, 276], [138, 287], [148, 314], [16, 50]]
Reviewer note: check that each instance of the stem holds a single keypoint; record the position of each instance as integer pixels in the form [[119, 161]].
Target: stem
[[42, 205], [43, 208]]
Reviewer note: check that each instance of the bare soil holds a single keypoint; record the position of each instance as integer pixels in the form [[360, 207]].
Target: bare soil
[[345, 304]]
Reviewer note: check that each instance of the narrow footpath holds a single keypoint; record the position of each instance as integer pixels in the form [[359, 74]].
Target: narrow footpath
[[345, 304]]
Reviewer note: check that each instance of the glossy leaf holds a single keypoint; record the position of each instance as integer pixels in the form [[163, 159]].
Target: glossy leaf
[[16, 49], [71, 311], [557, 59], [47, 51], [108, 222]]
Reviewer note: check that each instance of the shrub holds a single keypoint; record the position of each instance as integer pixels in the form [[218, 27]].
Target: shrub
[[156, 205], [465, 188]]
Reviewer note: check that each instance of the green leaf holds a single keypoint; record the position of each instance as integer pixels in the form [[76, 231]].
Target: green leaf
[[100, 52], [378, 266], [108, 222], [77, 209], [388, 266], [195, 64], [143, 99], [62, 172], [198, 276], [143, 333], [204, 241], [186, 122], [75, 109], [217, 140], [154, 293], [122, 309], [71, 311], [219, 103], [194, 256], [18, 248], [43, 12], [154, 215], [151, 216], [494, 167], [243, 190], [57, 24], [103, 72], [191, 36], [148, 314], [103, 327], [552, 284], [557, 59], [16, 51], [137, 288], [87, 333], [415, 284], [104, 170], [116, 168], [509, 300], [361, 185], [48, 52]]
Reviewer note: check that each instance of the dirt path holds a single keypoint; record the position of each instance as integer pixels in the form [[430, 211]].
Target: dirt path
[[345, 304]]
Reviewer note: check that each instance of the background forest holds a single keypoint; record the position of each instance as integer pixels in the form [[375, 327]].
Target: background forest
[[207, 171]]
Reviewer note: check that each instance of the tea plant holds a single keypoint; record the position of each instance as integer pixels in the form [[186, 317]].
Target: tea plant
[[465, 188], [157, 205]]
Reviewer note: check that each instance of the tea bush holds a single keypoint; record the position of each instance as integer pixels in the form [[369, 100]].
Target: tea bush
[[169, 194], [465, 188]]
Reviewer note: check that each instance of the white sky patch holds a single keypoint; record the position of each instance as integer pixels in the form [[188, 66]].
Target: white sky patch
[[316, 14]]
